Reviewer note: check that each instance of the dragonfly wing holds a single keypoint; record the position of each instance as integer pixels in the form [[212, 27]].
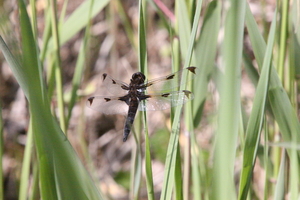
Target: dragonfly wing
[[165, 100], [114, 86], [107, 105], [171, 81]]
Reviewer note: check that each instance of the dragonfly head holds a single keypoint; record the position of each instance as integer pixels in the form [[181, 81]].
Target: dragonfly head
[[138, 78]]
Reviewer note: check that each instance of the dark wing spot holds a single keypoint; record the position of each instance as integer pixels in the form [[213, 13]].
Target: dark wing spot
[[104, 76], [107, 99], [170, 77], [125, 98], [187, 93], [113, 81], [91, 99], [165, 95], [192, 69]]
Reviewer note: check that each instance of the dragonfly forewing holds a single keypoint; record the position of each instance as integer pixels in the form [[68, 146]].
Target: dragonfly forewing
[[107, 104]]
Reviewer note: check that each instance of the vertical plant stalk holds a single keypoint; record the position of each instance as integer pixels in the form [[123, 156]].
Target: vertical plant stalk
[[230, 106], [178, 173], [127, 24], [205, 52], [294, 172], [26, 164], [58, 75], [178, 182], [33, 18], [142, 53], [1, 153], [170, 165], [113, 34], [283, 39], [255, 124], [46, 35], [80, 65], [25, 173], [61, 174], [188, 128], [266, 150], [279, 191], [35, 193]]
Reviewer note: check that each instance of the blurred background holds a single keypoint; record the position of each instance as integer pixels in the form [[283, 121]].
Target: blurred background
[[113, 49]]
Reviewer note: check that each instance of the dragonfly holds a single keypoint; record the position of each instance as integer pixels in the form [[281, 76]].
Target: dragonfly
[[140, 94]]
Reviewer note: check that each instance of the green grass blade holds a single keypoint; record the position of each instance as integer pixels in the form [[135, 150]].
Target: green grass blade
[[12, 61], [46, 34], [189, 50], [1, 153], [142, 50], [136, 172], [256, 118], [250, 69], [227, 133], [196, 163], [79, 19], [148, 166], [57, 65], [136, 161], [184, 26], [283, 36], [35, 183], [170, 166], [19, 72], [293, 52], [187, 157], [166, 192], [127, 25], [266, 158], [79, 68], [279, 188], [295, 42], [28, 46], [178, 184], [26, 165], [33, 18], [176, 65], [284, 113], [294, 174], [56, 156], [205, 51], [63, 12]]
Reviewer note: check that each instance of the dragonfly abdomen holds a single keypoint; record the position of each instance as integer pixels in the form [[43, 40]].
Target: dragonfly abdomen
[[134, 104]]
